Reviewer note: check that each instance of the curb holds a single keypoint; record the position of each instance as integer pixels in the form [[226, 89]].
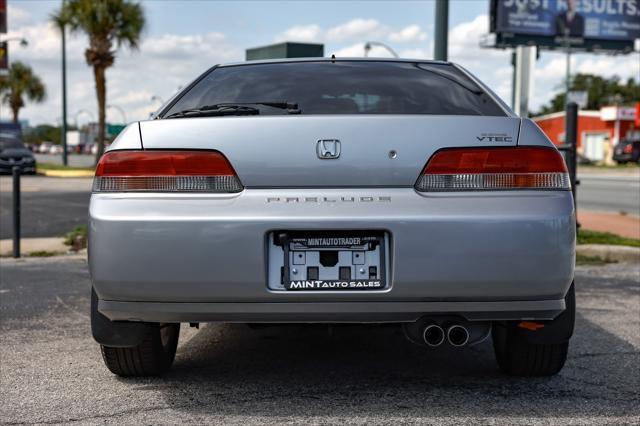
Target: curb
[[623, 254], [67, 173]]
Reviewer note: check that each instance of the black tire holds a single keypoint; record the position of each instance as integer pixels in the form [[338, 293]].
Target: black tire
[[521, 358], [521, 353], [152, 357]]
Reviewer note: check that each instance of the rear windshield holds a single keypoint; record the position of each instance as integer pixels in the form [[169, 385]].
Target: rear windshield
[[344, 87]]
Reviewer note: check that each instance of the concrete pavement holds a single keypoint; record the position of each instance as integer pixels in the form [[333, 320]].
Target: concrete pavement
[[50, 207], [52, 372]]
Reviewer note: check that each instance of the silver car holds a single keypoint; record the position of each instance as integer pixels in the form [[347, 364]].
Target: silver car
[[334, 191]]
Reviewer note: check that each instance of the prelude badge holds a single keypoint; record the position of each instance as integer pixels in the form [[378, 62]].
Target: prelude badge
[[328, 149]]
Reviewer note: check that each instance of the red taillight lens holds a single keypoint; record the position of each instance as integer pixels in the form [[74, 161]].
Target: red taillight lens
[[628, 149], [165, 171], [460, 169]]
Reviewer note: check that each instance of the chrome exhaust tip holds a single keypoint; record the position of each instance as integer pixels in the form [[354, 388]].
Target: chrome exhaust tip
[[433, 335], [457, 335]]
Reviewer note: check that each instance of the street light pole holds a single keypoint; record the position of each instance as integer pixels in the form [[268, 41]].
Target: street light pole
[[441, 30], [124, 116], [368, 45], [63, 127]]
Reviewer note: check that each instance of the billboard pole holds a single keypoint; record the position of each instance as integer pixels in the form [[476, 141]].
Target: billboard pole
[[63, 127], [568, 70], [441, 30]]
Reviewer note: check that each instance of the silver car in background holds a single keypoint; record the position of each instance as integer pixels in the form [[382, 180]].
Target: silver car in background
[[334, 191]]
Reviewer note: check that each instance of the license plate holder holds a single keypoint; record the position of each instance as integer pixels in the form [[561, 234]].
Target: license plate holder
[[333, 261]]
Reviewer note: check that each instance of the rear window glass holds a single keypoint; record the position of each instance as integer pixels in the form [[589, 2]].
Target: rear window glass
[[344, 87]]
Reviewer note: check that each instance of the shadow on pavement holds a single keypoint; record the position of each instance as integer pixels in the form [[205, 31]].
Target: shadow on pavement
[[292, 370]]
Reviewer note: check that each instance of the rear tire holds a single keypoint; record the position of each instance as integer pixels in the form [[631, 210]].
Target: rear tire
[[520, 352], [518, 358], [152, 357]]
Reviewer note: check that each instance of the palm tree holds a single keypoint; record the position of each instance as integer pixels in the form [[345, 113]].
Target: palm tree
[[109, 24], [20, 82]]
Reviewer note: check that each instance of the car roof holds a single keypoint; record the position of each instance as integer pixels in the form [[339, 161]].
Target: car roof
[[331, 59]]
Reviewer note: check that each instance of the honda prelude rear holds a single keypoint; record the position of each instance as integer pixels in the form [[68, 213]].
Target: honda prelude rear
[[334, 191]]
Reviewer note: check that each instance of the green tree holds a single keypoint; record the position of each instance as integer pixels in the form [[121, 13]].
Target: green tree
[[109, 24], [601, 92], [21, 82]]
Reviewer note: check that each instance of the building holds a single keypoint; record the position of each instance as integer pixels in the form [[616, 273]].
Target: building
[[285, 50], [598, 131]]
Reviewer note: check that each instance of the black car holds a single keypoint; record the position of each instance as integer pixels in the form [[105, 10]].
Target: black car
[[628, 150], [14, 153]]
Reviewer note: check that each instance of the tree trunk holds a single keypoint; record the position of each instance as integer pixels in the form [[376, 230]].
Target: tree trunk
[[15, 112], [101, 92]]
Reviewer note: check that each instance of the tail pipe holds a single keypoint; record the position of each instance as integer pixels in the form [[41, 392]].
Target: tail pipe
[[433, 335], [457, 335]]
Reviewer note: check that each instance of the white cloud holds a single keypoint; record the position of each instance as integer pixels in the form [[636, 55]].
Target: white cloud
[[162, 64], [308, 33], [18, 16], [356, 29], [408, 34], [417, 53], [357, 50]]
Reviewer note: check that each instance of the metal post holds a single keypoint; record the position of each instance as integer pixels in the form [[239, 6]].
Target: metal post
[[571, 140], [525, 59], [567, 83], [441, 30], [63, 130], [514, 63], [15, 170]]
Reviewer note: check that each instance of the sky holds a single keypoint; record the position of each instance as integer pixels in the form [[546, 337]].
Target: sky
[[184, 38]]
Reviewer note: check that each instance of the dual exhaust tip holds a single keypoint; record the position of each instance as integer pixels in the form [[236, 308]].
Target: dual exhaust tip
[[434, 335]]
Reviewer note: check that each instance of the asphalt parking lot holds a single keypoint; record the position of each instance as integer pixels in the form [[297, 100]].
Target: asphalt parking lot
[[51, 371]]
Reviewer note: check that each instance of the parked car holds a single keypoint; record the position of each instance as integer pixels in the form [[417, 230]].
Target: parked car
[[14, 153], [331, 191], [626, 151], [45, 147], [55, 149]]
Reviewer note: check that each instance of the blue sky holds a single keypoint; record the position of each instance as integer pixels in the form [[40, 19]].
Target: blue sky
[[183, 38]]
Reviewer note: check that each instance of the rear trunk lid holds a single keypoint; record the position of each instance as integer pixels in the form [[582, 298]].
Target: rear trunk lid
[[374, 150]]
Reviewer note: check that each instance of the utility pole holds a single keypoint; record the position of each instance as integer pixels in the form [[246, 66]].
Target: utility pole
[[63, 127], [525, 58], [441, 30]]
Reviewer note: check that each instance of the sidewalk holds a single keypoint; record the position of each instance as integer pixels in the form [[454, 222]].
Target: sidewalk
[[48, 246], [615, 223]]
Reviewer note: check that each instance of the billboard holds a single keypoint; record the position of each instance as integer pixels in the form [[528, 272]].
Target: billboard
[[581, 24]]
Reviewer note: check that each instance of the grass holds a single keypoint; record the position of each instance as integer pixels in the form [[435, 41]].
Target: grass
[[44, 253], [586, 236], [37, 253], [70, 237], [592, 260], [628, 166], [48, 166]]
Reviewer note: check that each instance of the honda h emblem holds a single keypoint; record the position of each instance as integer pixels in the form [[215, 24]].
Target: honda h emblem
[[328, 149]]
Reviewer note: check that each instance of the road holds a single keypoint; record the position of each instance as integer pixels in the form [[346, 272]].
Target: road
[[52, 371], [74, 160], [611, 193], [50, 207], [53, 206]]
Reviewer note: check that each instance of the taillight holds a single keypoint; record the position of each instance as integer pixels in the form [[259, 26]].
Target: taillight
[[469, 169], [165, 171], [628, 149]]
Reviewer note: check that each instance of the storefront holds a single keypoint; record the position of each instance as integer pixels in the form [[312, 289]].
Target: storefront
[[598, 131]]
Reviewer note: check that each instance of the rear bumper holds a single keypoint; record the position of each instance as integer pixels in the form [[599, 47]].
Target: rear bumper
[[328, 311], [498, 255]]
